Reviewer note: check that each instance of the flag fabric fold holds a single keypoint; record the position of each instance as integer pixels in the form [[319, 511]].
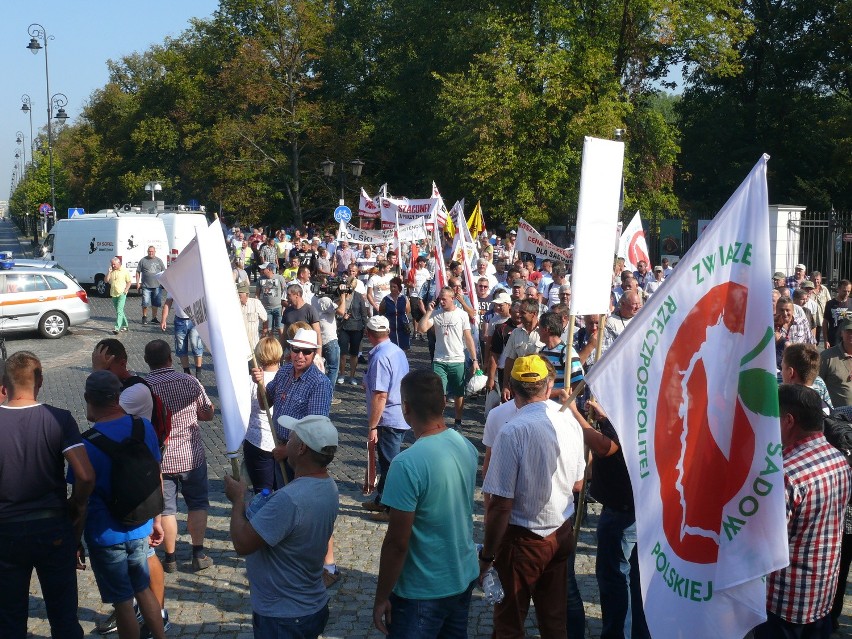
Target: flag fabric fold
[[690, 388], [632, 245], [195, 282]]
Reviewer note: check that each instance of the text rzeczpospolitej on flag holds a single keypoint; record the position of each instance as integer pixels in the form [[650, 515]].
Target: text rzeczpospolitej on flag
[[690, 388]]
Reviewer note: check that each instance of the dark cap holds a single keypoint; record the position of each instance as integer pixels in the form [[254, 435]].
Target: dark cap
[[103, 383]]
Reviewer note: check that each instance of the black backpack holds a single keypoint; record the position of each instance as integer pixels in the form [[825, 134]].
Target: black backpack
[[136, 489]]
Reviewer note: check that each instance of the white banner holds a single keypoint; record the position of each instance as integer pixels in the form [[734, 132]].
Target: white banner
[[690, 388], [408, 211], [367, 206], [195, 283], [632, 245], [597, 215], [413, 232], [530, 241]]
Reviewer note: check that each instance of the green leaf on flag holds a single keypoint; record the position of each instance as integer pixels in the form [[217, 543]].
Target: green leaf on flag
[[764, 342], [758, 389]]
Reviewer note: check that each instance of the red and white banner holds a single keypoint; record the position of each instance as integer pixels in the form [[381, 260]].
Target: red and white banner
[[690, 388], [413, 232], [531, 241], [368, 208], [441, 212], [407, 211], [194, 281], [632, 245]]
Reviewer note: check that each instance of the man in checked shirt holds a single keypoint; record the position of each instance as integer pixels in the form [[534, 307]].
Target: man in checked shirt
[[184, 464], [818, 481]]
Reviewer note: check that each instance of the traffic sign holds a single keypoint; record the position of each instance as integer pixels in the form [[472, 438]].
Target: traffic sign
[[44, 208], [75, 211], [342, 214], [193, 205]]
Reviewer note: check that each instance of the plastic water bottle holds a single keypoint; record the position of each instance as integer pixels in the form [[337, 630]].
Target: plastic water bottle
[[258, 502], [491, 586]]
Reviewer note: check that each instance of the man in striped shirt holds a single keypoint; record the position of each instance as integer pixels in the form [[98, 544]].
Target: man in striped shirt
[[818, 482], [184, 465], [550, 333]]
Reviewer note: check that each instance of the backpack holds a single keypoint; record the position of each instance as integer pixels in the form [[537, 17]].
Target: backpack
[[161, 416], [136, 488]]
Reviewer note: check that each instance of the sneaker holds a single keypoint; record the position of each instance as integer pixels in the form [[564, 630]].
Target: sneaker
[[362, 359], [383, 516], [341, 380], [336, 401], [115, 331], [330, 578], [154, 320], [202, 562], [373, 505], [169, 566], [124, 328], [144, 633], [144, 320], [353, 381], [107, 626]]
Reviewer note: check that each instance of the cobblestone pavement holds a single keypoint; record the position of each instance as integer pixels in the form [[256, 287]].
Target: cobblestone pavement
[[213, 604]]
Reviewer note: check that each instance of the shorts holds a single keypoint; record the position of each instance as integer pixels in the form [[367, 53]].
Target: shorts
[[452, 377], [121, 570], [152, 297], [273, 317], [350, 341], [193, 487], [187, 338]]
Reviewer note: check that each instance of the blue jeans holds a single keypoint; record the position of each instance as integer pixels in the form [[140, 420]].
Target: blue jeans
[[430, 618], [576, 612], [120, 570], [152, 297], [308, 627], [390, 441], [617, 571], [273, 319], [48, 546], [331, 354], [187, 338]]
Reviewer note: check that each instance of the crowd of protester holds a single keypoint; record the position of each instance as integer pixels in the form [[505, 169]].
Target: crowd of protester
[[316, 311]]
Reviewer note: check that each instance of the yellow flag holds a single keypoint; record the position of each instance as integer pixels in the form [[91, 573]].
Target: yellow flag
[[476, 223], [449, 227]]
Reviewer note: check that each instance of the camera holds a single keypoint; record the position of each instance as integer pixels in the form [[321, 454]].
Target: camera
[[331, 286]]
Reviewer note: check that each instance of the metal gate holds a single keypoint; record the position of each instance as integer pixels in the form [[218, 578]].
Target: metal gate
[[825, 243]]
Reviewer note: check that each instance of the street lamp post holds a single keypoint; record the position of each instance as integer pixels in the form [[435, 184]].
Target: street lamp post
[[27, 107], [59, 101], [355, 167], [20, 140]]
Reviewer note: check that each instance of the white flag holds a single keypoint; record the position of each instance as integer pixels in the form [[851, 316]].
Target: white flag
[[632, 245], [200, 282], [690, 388], [597, 214]]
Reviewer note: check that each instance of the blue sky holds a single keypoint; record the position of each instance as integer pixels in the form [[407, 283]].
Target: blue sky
[[87, 33]]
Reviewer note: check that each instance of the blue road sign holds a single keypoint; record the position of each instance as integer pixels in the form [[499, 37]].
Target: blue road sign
[[342, 214], [74, 212], [193, 205], [43, 208]]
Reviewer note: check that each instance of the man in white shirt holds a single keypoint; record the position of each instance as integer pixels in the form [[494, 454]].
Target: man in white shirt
[[378, 286], [452, 335], [536, 462]]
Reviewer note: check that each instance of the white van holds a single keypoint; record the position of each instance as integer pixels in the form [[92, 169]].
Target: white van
[[85, 244], [180, 224]]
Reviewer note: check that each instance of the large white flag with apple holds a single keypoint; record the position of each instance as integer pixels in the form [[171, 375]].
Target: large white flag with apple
[[690, 388]]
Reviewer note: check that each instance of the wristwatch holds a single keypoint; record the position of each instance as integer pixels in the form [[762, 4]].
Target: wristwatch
[[488, 560]]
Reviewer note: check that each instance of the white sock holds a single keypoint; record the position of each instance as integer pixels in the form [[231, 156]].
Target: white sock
[[331, 568]]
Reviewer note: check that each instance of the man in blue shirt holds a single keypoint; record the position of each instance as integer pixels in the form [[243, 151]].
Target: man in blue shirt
[[119, 553], [428, 565], [387, 427]]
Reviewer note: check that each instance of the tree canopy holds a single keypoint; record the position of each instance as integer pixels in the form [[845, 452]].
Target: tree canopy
[[489, 98]]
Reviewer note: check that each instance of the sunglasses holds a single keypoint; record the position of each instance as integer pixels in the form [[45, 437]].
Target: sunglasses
[[302, 351]]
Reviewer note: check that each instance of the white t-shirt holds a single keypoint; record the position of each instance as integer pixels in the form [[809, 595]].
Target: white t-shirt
[[421, 276], [326, 310], [380, 285], [498, 417], [449, 335]]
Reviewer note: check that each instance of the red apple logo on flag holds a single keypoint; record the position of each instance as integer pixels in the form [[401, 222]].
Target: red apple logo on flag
[[637, 249], [697, 476]]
